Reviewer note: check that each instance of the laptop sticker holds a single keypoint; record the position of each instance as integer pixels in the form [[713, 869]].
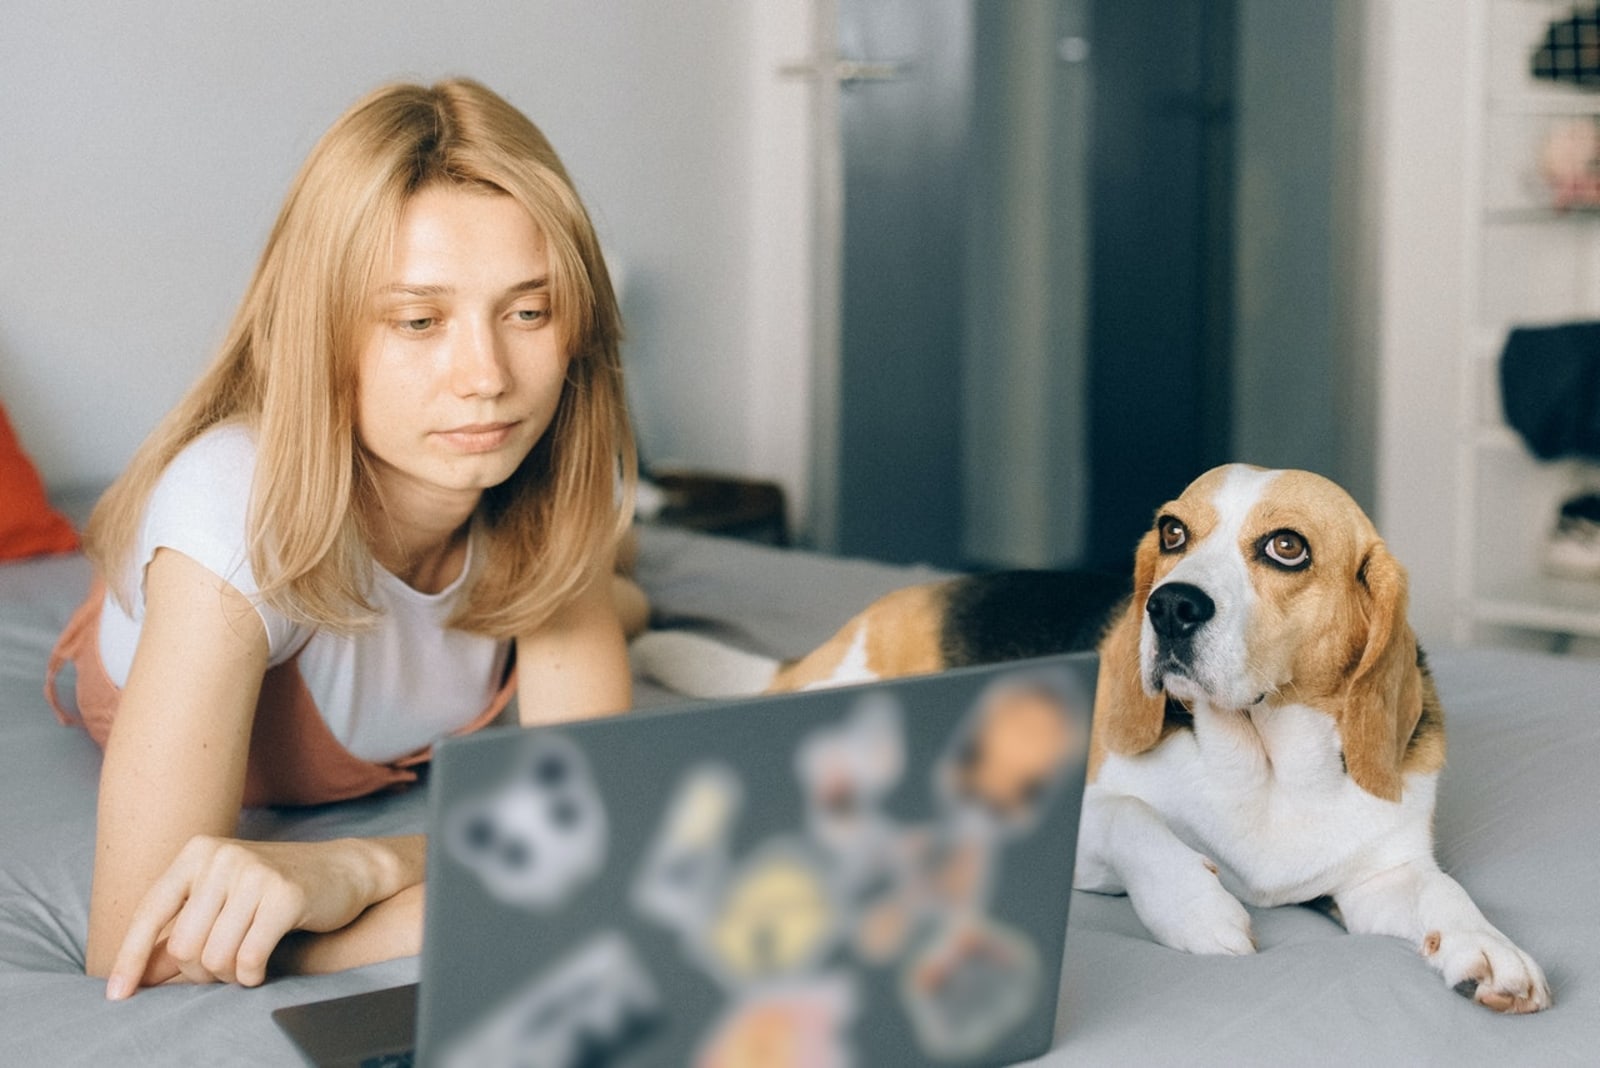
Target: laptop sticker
[[969, 987], [1011, 753], [943, 872], [595, 1008], [538, 836], [778, 918], [846, 772], [848, 769], [791, 1026], [686, 866]]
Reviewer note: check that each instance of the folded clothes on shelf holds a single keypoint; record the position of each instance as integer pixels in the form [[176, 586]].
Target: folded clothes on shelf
[[1569, 52], [1550, 388]]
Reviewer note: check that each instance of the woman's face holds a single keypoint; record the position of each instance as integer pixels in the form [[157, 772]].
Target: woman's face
[[462, 368]]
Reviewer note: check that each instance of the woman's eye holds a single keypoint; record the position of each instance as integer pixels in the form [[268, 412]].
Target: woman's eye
[[1174, 535], [416, 326], [532, 315], [1286, 548]]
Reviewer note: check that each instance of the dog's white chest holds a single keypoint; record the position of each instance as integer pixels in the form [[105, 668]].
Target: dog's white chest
[[1275, 759], [1266, 794]]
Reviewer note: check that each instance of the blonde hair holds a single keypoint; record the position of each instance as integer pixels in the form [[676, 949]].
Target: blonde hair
[[287, 368]]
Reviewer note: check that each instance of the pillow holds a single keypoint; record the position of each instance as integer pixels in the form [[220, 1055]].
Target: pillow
[[28, 525]]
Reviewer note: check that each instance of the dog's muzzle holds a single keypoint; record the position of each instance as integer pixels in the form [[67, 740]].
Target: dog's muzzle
[[1177, 611]]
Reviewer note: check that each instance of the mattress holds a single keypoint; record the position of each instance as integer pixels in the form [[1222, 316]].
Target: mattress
[[1517, 826]]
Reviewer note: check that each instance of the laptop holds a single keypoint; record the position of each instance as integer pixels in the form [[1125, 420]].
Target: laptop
[[876, 874]]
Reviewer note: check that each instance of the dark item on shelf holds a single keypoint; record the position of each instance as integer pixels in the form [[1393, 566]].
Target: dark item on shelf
[[1550, 388], [715, 504], [1573, 550], [1570, 50]]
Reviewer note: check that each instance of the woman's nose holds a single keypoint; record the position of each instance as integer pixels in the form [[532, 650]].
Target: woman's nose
[[477, 366]]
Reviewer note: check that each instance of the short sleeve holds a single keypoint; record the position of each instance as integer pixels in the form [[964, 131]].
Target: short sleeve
[[200, 507]]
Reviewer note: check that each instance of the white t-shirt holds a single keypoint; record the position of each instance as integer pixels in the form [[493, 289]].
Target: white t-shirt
[[384, 691]]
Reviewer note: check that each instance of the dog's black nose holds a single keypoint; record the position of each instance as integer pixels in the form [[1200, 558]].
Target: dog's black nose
[[1178, 609]]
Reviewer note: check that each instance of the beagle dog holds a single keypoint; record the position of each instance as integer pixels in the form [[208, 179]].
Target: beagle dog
[[1266, 731]]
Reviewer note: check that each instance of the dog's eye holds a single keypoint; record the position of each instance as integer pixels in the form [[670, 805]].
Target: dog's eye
[[1286, 549], [1174, 535]]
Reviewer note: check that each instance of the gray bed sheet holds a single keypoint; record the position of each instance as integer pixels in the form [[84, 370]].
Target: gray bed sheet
[[1519, 810]]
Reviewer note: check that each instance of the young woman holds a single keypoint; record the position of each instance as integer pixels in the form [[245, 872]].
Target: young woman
[[389, 504]]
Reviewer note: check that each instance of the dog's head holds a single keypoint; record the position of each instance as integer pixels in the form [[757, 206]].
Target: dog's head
[[1267, 587]]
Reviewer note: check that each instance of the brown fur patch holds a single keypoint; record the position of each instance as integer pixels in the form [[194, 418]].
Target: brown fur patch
[[1126, 719], [1383, 701], [902, 638], [1425, 750]]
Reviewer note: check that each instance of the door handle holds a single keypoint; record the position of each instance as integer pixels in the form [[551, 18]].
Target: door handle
[[848, 71]]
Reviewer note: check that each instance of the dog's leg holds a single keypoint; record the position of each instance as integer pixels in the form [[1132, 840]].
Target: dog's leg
[[1424, 906], [1124, 846]]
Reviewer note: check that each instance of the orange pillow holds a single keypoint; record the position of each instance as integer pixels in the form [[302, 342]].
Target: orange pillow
[[28, 525]]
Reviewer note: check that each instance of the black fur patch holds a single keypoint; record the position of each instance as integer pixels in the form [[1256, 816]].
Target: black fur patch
[[1176, 716], [1015, 615], [1431, 722], [1327, 906]]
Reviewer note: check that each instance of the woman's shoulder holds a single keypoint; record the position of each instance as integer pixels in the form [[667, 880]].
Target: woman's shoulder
[[210, 475], [223, 454], [201, 502]]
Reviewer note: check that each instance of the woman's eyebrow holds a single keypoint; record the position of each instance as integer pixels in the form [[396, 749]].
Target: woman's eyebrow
[[408, 289], [403, 289]]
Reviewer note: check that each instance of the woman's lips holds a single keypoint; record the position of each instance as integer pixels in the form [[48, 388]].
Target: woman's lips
[[478, 437]]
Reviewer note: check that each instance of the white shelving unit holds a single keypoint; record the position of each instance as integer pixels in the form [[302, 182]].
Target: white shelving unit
[[1527, 265]]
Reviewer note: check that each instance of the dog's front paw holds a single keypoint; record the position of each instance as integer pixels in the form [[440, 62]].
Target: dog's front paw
[[1485, 966], [1194, 913]]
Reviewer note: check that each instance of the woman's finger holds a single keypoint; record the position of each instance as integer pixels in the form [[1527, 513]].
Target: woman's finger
[[192, 927], [220, 954], [163, 967], [274, 919], [158, 908], [192, 972]]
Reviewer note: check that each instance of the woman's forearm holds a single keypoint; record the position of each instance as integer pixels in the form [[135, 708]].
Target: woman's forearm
[[394, 864], [391, 928]]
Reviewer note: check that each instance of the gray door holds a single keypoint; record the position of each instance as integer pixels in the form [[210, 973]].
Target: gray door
[[904, 155], [1034, 306], [1161, 346]]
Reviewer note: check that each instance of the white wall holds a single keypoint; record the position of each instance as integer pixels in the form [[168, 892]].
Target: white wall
[[145, 148], [1419, 109]]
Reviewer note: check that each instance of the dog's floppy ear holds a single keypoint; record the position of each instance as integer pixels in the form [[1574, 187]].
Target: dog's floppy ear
[[1125, 716], [1384, 700]]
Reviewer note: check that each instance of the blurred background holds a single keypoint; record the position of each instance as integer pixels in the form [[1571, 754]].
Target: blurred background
[[971, 282]]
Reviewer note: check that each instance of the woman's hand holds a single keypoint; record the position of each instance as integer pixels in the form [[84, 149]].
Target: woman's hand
[[221, 908]]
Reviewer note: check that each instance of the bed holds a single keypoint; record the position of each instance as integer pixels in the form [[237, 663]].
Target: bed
[[1517, 825]]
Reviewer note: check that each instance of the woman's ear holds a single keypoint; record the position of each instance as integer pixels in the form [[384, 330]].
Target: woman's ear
[[1383, 701], [1127, 717]]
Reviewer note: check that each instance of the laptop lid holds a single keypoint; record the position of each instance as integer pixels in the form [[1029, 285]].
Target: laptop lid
[[844, 876]]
